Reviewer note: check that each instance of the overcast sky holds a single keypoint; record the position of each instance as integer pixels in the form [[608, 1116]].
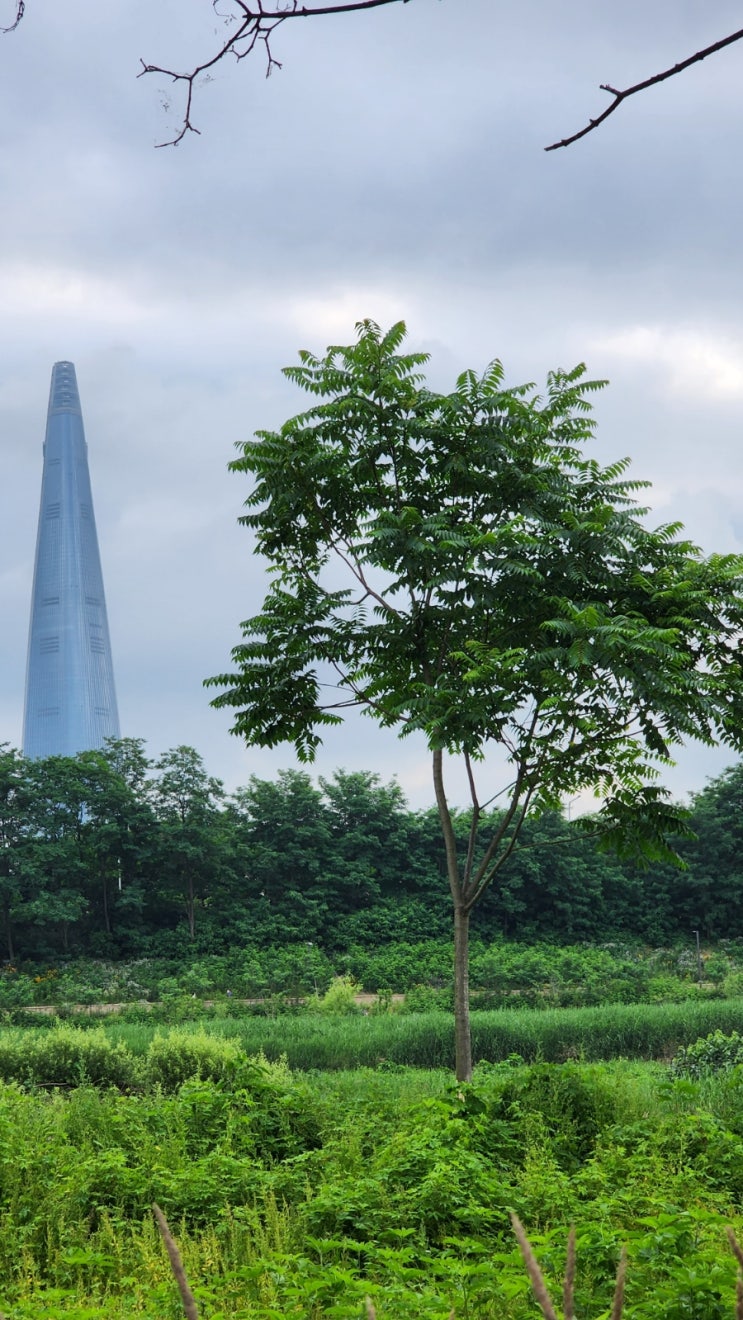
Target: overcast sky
[[393, 168]]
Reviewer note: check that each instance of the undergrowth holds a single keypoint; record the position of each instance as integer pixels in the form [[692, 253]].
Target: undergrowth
[[302, 1195]]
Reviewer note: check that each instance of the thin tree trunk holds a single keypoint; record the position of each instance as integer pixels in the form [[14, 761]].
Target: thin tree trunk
[[9, 934], [106, 913], [462, 1038], [462, 1033], [191, 906]]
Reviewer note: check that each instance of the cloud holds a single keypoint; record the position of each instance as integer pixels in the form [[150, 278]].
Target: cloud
[[697, 363], [393, 168]]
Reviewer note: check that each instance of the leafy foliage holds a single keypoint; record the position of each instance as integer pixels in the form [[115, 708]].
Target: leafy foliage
[[304, 1196], [455, 566], [709, 1054], [501, 587]]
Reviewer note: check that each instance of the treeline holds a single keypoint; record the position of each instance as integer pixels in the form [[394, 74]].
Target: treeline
[[111, 854]]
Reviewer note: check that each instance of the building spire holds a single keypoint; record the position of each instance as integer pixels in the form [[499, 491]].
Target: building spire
[[70, 695]]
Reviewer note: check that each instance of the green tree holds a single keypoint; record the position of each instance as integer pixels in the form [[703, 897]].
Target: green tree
[[187, 802], [15, 804], [57, 859], [120, 829], [501, 592], [370, 834], [710, 898], [285, 857]]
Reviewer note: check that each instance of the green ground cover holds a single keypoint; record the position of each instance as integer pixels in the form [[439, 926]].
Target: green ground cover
[[300, 1194], [386, 1040], [501, 974]]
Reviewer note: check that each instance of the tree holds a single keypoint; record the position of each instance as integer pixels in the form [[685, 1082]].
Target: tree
[[283, 833], [454, 566], [186, 802], [121, 827], [58, 857], [251, 24], [15, 801]]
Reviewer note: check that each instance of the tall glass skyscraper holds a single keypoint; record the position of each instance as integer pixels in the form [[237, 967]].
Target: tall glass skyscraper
[[70, 695]]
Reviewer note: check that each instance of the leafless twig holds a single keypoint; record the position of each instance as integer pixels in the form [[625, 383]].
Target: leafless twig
[[539, 1287], [620, 96], [568, 1288], [176, 1264], [618, 1303], [256, 24], [19, 11]]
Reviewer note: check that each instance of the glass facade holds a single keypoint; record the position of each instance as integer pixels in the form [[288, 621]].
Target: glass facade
[[70, 695]]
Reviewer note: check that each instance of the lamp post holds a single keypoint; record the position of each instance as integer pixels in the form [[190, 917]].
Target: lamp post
[[700, 976]]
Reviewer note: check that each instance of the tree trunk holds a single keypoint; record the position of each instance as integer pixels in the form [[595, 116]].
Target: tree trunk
[[462, 1033], [9, 933], [106, 912], [462, 1037], [191, 907]]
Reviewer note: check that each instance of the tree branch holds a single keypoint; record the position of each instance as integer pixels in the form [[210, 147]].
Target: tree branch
[[447, 827], [19, 11], [257, 24], [620, 96], [474, 823]]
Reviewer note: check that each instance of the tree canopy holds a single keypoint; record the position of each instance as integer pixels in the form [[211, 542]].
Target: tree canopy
[[454, 565]]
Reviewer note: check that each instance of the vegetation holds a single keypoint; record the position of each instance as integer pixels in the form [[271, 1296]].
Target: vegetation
[[397, 978], [304, 881], [304, 1194], [453, 565], [132, 1049]]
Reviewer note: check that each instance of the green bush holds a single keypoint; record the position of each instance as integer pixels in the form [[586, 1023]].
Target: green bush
[[67, 1056], [732, 985], [178, 1056], [712, 1053], [339, 998]]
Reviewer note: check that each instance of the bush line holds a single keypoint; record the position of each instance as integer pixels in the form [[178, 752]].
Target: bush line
[[137, 1057]]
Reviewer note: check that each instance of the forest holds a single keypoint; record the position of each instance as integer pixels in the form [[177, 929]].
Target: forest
[[113, 855]]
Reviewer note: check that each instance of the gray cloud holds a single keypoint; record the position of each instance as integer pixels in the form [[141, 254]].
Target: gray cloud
[[394, 167]]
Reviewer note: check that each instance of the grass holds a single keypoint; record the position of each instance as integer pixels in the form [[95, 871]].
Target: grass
[[426, 1040]]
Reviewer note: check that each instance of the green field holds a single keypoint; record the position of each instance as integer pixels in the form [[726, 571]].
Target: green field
[[425, 1040], [299, 1193]]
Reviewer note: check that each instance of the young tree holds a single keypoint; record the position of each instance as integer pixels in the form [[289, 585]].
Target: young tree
[[501, 591]]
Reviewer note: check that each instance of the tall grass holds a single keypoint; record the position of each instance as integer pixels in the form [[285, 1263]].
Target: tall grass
[[426, 1040]]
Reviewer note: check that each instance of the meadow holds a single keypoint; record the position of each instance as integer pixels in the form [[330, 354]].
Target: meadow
[[311, 1152], [300, 1191], [384, 1040]]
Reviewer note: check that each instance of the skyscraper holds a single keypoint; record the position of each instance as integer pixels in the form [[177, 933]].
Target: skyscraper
[[70, 695]]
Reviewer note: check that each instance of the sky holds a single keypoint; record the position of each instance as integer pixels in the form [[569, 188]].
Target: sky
[[393, 168]]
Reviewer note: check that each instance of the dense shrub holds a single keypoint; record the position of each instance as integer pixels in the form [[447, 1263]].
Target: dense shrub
[[709, 1054], [66, 1056], [176, 1056], [339, 998]]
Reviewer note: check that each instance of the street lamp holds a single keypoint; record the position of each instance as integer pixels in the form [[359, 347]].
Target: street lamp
[[700, 976]]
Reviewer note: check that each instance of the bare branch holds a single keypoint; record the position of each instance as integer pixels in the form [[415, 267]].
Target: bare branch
[[19, 12], [176, 1264], [618, 1302], [539, 1287], [474, 823], [620, 96], [568, 1287], [256, 25], [353, 565]]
